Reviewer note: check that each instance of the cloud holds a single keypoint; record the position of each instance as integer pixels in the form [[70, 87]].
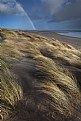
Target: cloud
[[11, 7], [53, 6], [75, 24], [63, 10]]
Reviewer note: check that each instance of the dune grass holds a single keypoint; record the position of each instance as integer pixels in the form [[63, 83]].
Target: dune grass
[[11, 92], [38, 79]]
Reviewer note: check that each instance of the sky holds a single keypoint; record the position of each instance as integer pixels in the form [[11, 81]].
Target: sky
[[40, 14]]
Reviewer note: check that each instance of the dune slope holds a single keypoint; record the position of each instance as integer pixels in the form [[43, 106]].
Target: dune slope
[[40, 79]]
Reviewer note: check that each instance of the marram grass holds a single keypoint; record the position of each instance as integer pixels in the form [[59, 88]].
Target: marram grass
[[40, 79], [11, 92]]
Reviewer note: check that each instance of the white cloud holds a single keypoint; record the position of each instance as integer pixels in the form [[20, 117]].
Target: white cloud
[[11, 7]]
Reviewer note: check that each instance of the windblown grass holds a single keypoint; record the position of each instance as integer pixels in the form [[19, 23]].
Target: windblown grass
[[39, 78], [11, 92]]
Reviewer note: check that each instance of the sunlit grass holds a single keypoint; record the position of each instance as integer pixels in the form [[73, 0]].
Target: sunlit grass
[[38, 79]]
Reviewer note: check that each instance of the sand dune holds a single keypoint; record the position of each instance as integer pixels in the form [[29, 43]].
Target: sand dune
[[40, 79], [74, 41]]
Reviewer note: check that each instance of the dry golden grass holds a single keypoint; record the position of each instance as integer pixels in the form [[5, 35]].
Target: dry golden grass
[[11, 92], [40, 79]]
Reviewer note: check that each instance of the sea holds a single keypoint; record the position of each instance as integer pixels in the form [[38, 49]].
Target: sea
[[70, 33]]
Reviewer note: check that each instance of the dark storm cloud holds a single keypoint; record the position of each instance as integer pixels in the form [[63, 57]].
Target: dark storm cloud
[[62, 10], [75, 24]]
